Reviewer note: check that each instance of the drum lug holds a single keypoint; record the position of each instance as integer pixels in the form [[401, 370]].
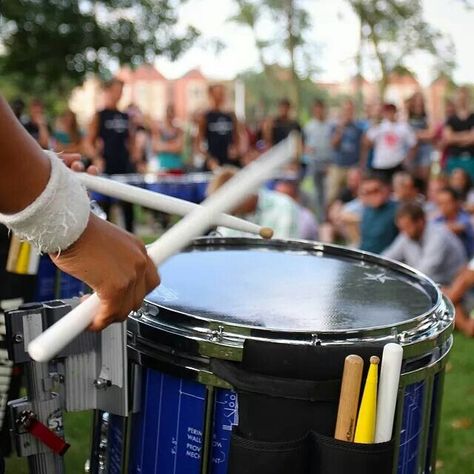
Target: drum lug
[[217, 335], [315, 341], [102, 384]]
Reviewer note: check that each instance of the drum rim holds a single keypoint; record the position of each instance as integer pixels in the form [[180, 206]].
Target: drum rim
[[310, 246]]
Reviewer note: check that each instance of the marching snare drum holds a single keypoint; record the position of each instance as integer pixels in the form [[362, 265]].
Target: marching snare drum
[[224, 301]]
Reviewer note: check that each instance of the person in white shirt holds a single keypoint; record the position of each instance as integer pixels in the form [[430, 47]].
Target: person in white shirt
[[393, 141], [265, 208], [318, 149]]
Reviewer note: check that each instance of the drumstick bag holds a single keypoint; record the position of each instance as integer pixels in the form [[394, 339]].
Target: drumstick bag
[[288, 398]]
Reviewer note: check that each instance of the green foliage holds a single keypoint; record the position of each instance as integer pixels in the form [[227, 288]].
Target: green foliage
[[396, 30], [263, 93], [288, 39], [53, 44]]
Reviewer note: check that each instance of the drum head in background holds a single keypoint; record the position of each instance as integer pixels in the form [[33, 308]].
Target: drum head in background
[[291, 286]]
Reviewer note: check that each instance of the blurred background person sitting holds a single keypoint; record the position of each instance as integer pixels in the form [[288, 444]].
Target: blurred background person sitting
[[378, 229], [427, 246], [307, 226], [460, 181], [455, 218], [265, 208], [406, 188]]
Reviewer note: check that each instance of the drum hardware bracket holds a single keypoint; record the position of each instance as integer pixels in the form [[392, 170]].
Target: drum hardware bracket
[[315, 341], [217, 335], [102, 384], [87, 374]]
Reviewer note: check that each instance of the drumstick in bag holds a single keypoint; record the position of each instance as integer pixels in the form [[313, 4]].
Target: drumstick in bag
[[388, 391], [349, 398], [168, 204], [226, 198], [365, 430]]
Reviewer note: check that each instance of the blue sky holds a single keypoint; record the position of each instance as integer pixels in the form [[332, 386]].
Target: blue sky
[[335, 35]]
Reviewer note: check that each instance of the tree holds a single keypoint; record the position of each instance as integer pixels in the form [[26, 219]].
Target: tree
[[395, 29], [52, 44], [262, 93], [291, 23]]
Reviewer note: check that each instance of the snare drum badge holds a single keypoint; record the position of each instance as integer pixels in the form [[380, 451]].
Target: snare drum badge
[[379, 277]]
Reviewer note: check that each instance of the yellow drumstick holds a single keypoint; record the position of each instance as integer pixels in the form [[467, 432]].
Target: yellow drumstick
[[349, 398], [22, 263], [365, 430]]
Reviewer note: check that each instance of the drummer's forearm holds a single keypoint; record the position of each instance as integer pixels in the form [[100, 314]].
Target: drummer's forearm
[[24, 168]]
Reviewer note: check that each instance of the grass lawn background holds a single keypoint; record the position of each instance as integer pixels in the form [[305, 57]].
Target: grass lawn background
[[456, 443]]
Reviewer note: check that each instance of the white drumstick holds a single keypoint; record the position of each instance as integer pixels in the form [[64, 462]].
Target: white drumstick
[[388, 391], [161, 202], [226, 198]]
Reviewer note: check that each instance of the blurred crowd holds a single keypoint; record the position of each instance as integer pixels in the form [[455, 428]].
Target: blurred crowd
[[388, 180]]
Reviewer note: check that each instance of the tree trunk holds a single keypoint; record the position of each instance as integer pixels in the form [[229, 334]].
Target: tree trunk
[[383, 82], [360, 77], [295, 86]]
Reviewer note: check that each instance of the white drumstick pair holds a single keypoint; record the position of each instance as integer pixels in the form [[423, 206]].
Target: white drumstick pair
[[161, 202], [388, 391], [226, 198]]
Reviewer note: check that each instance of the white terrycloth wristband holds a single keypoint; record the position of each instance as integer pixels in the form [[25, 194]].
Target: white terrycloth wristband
[[58, 216]]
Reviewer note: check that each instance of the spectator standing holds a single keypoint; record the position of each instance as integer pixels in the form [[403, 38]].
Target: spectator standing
[[458, 135], [456, 219], [36, 124], [378, 229], [317, 138], [109, 143], [346, 139], [393, 142], [283, 123], [167, 142], [18, 107], [429, 247], [418, 121], [67, 136], [141, 138], [218, 135]]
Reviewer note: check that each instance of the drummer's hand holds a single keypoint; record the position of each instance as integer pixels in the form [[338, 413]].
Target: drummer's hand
[[99, 164], [73, 161], [115, 265]]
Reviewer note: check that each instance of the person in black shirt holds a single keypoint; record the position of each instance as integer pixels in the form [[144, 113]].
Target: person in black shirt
[[109, 141], [37, 125], [218, 136], [458, 135], [283, 124]]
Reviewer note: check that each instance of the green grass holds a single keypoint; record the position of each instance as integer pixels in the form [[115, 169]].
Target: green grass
[[78, 429], [456, 442], [455, 448]]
